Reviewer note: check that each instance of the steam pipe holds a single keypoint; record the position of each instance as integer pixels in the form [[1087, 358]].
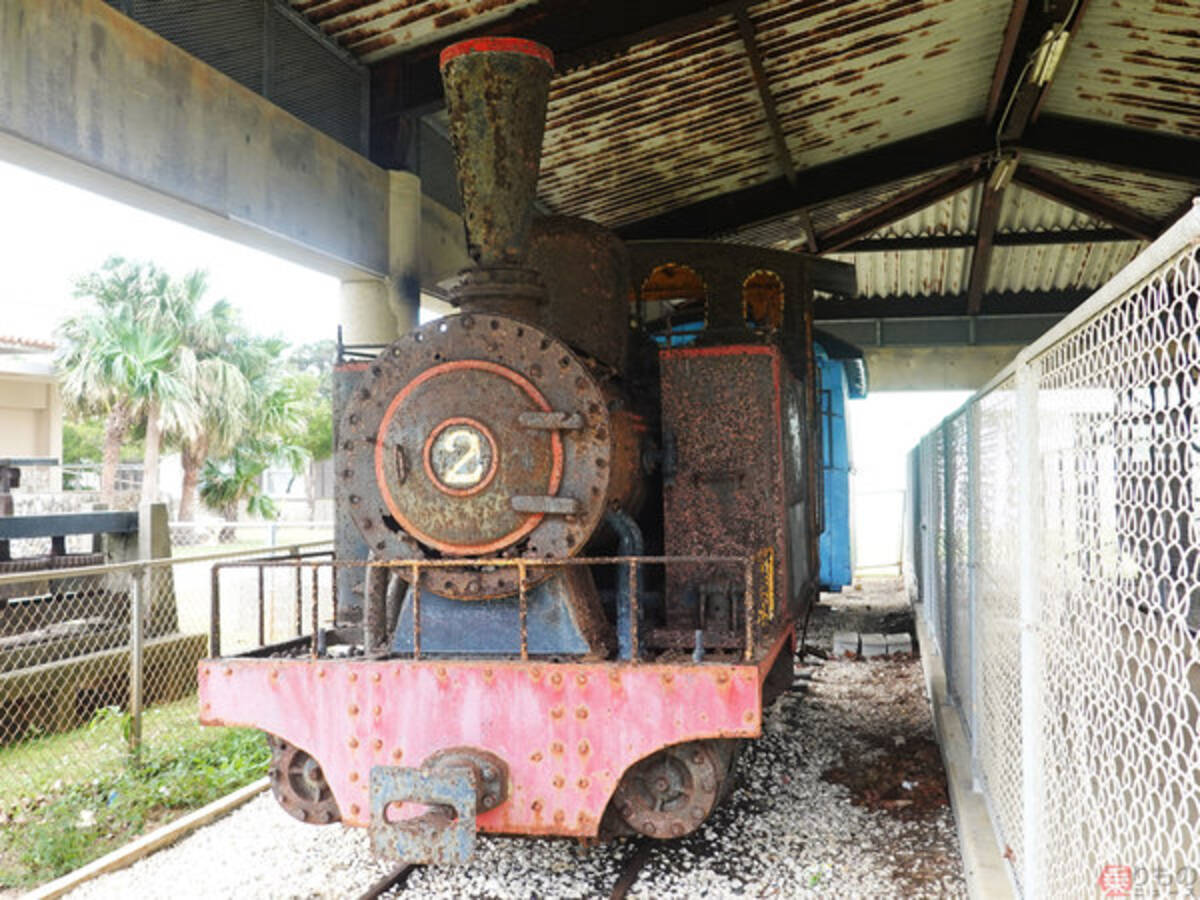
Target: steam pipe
[[631, 544]]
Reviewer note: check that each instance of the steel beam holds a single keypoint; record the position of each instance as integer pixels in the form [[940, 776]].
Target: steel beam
[[1155, 153], [900, 206], [1007, 303], [1087, 201], [955, 145], [981, 259], [1009, 239]]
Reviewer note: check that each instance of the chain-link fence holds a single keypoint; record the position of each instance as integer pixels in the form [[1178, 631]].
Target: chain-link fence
[[189, 538], [98, 663], [1056, 546]]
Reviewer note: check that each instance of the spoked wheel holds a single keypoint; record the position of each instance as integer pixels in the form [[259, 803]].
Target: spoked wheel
[[299, 785], [670, 793]]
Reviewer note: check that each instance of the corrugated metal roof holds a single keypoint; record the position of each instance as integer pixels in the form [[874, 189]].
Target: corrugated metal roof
[[676, 120], [852, 75], [909, 273], [1058, 267], [1023, 211], [666, 124], [376, 29], [934, 272], [838, 212], [1133, 64], [1147, 194]]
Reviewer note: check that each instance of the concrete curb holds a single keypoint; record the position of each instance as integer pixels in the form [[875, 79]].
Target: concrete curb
[[148, 843], [984, 870]]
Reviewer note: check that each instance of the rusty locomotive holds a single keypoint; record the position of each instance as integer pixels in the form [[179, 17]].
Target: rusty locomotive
[[577, 524]]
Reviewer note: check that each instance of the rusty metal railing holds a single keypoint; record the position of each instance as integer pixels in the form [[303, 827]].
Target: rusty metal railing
[[755, 601]]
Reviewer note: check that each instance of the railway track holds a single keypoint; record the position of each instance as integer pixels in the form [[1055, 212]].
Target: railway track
[[397, 879]]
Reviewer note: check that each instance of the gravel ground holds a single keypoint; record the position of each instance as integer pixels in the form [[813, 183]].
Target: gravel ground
[[843, 797]]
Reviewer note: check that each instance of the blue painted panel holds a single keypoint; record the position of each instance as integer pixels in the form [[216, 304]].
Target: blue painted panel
[[492, 627], [837, 567]]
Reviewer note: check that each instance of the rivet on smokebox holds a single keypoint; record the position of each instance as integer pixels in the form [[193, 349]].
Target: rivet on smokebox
[[354, 776], [376, 676], [556, 747], [274, 674], [556, 679], [376, 711], [748, 715], [556, 712], [397, 754], [353, 742], [581, 712], [559, 781], [722, 677], [536, 756], [536, 806], [228, 671], [581, 679], [354, 676], [559, 817], [352, 709], [377, 744], [583, 784], [584, 748]]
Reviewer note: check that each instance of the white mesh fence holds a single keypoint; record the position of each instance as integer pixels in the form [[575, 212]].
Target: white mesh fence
[[1059, 549]]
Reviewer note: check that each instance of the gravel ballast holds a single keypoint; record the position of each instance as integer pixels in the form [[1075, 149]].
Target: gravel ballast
[[841, 797]]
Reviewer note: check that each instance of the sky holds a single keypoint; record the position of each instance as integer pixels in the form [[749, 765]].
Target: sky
[[52, 233]]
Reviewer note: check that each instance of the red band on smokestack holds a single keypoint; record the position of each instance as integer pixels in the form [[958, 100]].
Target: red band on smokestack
[[496, 45]]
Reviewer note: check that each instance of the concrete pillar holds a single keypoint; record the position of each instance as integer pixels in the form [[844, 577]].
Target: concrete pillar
[[378, 310]]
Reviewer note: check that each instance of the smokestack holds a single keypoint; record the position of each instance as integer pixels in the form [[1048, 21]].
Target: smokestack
[[496, 95]]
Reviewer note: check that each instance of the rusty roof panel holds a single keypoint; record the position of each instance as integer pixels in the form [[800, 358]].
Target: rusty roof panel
[[1158, 198], [1058, 267], [909, 273], [1023, 211], [668, 123], [1133, 64], [840, 211], [853, 75], [375, 29]]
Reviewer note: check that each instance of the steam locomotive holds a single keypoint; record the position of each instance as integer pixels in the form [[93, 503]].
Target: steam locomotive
[[577, 524]]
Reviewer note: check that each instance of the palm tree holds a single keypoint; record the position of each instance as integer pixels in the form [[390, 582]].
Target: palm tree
[[215, 342], [273, 436], [122, 361]]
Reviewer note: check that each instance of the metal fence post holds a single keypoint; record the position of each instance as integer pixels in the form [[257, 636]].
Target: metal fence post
[[946, 574], [137, 607], [972, 414], [1029, 499]]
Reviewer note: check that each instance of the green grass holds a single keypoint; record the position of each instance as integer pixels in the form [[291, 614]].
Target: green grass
[[80, 796]]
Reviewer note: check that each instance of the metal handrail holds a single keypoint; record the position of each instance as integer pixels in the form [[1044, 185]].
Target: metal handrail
[[761, 560]]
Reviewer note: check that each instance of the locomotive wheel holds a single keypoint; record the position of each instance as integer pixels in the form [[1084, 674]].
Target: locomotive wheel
[[299, 785], [670, 793]]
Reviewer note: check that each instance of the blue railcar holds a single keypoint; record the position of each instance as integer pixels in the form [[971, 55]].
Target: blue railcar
[[843, 377]]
